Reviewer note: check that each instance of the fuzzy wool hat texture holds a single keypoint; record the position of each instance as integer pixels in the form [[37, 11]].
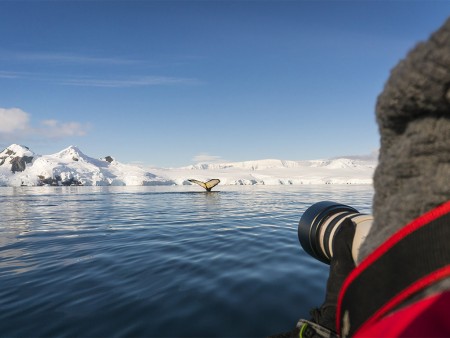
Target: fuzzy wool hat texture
[[413, 115]]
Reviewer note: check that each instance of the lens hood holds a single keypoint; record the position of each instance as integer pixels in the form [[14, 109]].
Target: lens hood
[[310, 225]]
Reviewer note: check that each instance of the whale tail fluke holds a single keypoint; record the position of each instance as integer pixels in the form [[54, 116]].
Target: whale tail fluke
[[206, 185]]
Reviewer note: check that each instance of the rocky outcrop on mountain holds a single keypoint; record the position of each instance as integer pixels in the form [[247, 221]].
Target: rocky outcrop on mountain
[[20, 163]]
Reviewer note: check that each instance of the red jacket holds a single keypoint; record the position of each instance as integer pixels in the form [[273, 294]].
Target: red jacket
[[414, 258]]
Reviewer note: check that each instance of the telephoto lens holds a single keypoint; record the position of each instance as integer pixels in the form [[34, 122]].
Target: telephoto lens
[[319, 224]]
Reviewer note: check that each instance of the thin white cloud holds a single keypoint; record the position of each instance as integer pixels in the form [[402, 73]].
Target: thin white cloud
[[16, 123], [83, 81], [10, 75], [66, 58], [206, 158], [130, 82]]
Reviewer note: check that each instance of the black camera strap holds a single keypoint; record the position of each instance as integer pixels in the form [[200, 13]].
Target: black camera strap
[[413, 258]]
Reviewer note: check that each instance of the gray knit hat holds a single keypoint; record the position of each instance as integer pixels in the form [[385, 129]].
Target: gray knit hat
[[413, 115]]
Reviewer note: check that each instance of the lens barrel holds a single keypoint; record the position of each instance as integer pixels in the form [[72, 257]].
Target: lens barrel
[[318, 226]]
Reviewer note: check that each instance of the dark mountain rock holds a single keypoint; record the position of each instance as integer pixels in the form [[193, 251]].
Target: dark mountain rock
[[57, 181], [20, 163]]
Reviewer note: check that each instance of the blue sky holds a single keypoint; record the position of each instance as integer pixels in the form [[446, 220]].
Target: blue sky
[[169, 83]]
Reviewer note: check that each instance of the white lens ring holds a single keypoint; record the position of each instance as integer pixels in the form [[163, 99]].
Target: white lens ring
[[324, 227]]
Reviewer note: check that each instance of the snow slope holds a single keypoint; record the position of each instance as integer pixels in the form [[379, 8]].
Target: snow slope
[[20, 166]]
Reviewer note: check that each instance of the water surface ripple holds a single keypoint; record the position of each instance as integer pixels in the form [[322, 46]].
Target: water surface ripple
[[150, 261]]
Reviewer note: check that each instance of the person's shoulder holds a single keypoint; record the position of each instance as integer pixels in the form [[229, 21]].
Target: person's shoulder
[[427, 317]]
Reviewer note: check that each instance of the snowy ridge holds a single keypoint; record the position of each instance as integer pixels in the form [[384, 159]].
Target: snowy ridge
[[277, 164], [278, 172], [20, 166], [70, 167]]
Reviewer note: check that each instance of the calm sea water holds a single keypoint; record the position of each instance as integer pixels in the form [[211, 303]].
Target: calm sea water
[[150, 261]]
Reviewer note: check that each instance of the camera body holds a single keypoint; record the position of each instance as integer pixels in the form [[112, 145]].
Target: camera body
[[321, 221]]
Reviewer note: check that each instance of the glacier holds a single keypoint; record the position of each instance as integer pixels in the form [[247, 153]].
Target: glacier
[[20, 166]]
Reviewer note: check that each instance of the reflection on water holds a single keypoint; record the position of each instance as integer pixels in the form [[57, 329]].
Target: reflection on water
[[158, 261]]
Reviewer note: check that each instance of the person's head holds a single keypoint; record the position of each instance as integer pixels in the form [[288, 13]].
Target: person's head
[[413, 115]]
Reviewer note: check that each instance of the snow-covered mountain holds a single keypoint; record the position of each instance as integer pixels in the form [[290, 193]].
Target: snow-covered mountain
[[21, 166]]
